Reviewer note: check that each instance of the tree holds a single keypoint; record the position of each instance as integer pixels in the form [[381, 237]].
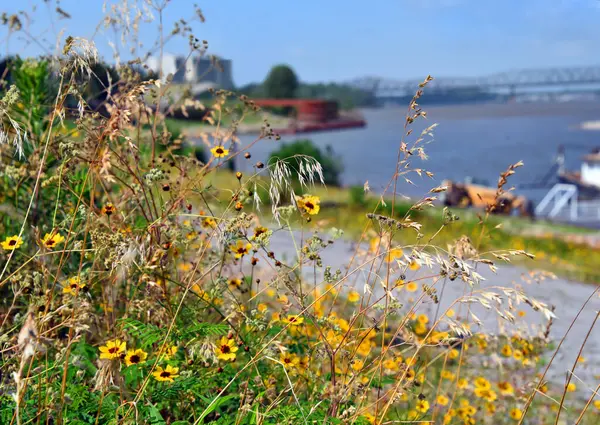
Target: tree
[[281, 82]]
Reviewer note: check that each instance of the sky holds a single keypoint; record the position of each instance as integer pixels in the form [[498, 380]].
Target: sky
[[340, 40]]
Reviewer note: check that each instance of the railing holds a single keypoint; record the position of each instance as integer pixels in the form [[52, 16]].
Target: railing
[[589, 211], [558, 198], [562, 202]]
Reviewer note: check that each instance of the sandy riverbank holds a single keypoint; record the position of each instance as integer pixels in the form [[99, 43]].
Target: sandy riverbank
[[567, 296], [590, 125]]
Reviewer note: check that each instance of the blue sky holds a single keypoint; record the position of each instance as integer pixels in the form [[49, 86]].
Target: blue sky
[[338, 40]]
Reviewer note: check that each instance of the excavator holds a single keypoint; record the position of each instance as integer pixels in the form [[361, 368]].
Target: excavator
[[473, 195], [465, 195]]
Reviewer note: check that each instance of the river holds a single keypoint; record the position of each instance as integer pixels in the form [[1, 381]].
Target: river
[[477, 140]]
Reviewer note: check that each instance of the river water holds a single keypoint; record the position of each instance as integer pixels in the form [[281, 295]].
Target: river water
[[478, 141]]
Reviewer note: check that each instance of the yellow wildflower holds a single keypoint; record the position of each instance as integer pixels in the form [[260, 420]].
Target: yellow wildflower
[[442, 400], [113, 349], [294, 320], [309, 203], [108, 209], [422, 406], [260, 230], [516, 414], [393, 254], [506, 351], [167, 374], [219, 151], [414, 265], [411, 286], [12, 242], [226, 349], [168, 352], [506, 388], [73, 286], [234, 282], [135, 357], [483, 383], [52, 239], [240, 248], [353, 296], [289, 360]]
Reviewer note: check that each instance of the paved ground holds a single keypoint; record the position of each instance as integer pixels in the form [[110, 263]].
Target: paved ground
[[567, 297]]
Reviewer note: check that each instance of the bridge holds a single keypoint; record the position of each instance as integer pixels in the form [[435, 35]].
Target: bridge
[[505, 82]]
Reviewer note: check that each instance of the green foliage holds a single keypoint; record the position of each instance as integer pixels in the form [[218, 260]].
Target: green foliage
[[32, 79], [357, 196], [348, 97], [199, 330], [291, 153], [281, 83], [147, 334]]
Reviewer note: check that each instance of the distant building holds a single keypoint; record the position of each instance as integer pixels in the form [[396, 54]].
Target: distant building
[[197, 71]]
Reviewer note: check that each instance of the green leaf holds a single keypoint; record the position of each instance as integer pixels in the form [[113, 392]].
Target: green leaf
[[221, 401], [155, 416]]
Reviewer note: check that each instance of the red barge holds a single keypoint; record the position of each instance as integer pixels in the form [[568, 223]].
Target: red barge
[[313, 115]]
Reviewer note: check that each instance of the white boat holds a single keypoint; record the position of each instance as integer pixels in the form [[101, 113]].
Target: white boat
[[587, 179]]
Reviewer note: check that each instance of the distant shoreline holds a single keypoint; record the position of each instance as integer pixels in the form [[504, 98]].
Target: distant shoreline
[[587, 110]]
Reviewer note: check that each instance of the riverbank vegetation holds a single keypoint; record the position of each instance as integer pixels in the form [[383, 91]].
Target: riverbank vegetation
[[141, 285], [566, 250], [282, 82]]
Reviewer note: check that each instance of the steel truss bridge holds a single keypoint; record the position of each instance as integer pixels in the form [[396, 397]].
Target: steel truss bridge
[[509, 82]]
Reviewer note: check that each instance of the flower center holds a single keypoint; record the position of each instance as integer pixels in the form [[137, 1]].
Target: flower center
[[134, 359], [50, 243], [219, 151], [113, 350], [12, 242], [225, 349], [309, 205], [165, 374], [287, 360]]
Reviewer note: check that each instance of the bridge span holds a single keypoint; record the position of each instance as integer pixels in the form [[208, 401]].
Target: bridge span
[[585, 78]]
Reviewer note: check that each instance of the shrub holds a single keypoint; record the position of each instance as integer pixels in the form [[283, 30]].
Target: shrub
[[357, 196], [291, 154]]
